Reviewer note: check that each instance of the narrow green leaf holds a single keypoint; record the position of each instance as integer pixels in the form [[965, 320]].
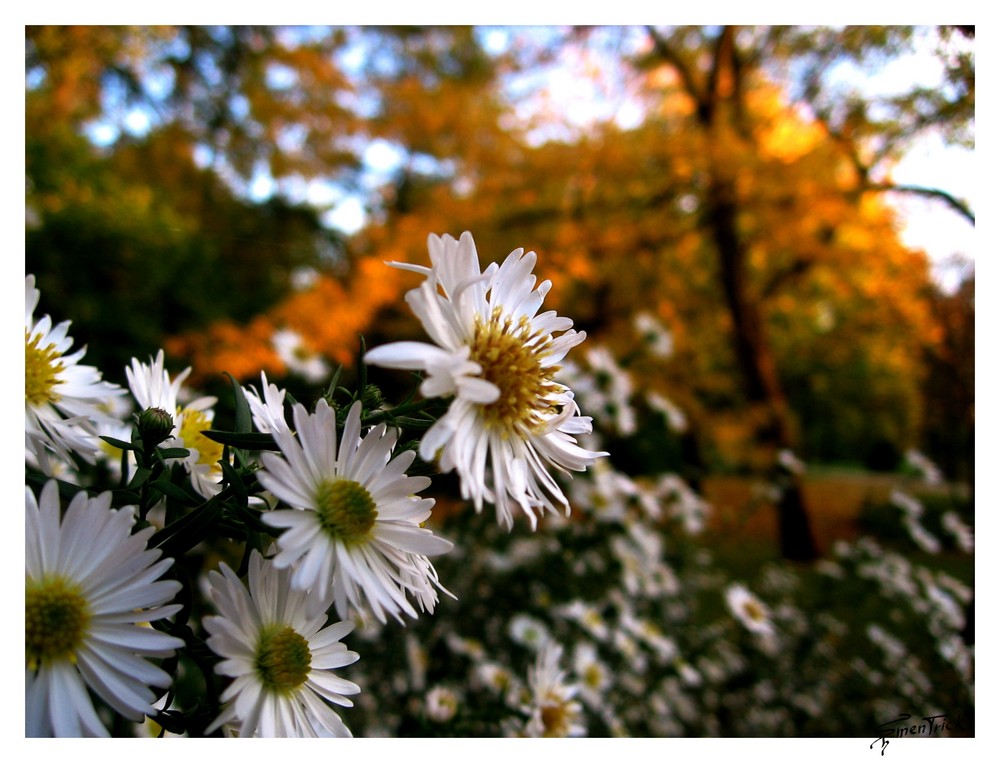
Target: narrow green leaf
[[247, 441], [234, 479], [120, 444], [187, 532], [171, 490], [169, 453], [244, 420], [141, 475]]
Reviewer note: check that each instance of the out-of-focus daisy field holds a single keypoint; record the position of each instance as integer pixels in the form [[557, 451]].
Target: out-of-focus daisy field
[[537, 381]]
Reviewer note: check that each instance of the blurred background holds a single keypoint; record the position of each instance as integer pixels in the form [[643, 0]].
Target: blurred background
[[766, 233]]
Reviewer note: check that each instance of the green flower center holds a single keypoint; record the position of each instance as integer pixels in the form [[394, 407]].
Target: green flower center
[[192, 424], [283, 659], [346, 510], [510, 354], [41, 371], [56, 617]]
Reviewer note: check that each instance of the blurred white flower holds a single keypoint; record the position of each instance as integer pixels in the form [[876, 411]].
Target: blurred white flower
[[594, 675], [684, 503], [791, 462], [614, 387], [553, 711], [675, 417], [920, 535], [960, 531], [293, 351], [587, 616], [441, 704], [930, 473], [528, 631], [658, 340], [910, 505], [752, 613]]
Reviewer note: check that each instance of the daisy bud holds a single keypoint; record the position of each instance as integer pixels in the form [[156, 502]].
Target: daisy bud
[[155, 425]]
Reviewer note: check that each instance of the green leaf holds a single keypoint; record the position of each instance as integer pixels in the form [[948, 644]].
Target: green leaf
[[116, 443], [247, 441], [188, 531], [141, 475], [409, 422], [176, 492], [169, 453], [234, 479], [244, 420]]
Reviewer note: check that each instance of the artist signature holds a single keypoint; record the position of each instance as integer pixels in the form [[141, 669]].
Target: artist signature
[[905, 725]]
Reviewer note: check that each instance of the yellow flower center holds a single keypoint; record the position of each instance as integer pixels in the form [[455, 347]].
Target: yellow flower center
[[192, 423], [346, 510], [593, 676], [555, 718], [754, 611], [283, 659], [511, 354], [41, 371], [56, 616]]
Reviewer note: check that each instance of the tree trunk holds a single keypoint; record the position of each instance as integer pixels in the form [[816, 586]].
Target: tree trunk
[[723, 87], [763, 387]]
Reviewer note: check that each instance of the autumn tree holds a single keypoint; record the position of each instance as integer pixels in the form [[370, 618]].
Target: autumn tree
[[744, 204]]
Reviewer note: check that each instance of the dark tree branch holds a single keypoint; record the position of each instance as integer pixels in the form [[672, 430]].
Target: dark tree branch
[[671, 56], [798, 268], [935, 193]]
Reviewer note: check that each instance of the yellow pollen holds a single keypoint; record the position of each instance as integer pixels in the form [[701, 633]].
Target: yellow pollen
[[346, 510], [511, 353], [555, 718], [56, 616], [592, 676], [754, 611], [283, 659], [192, 423], [42, 367]]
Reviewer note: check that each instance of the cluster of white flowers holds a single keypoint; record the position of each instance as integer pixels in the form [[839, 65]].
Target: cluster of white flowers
[[347, 518]]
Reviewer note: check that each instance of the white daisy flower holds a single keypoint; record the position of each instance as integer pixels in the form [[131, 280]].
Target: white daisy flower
[[354, 521], [62, 398], [553, 710], [90, 590], [279, 655], [268, 412], [152, 387], [752, 613], [497, 357], [298, 357]]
